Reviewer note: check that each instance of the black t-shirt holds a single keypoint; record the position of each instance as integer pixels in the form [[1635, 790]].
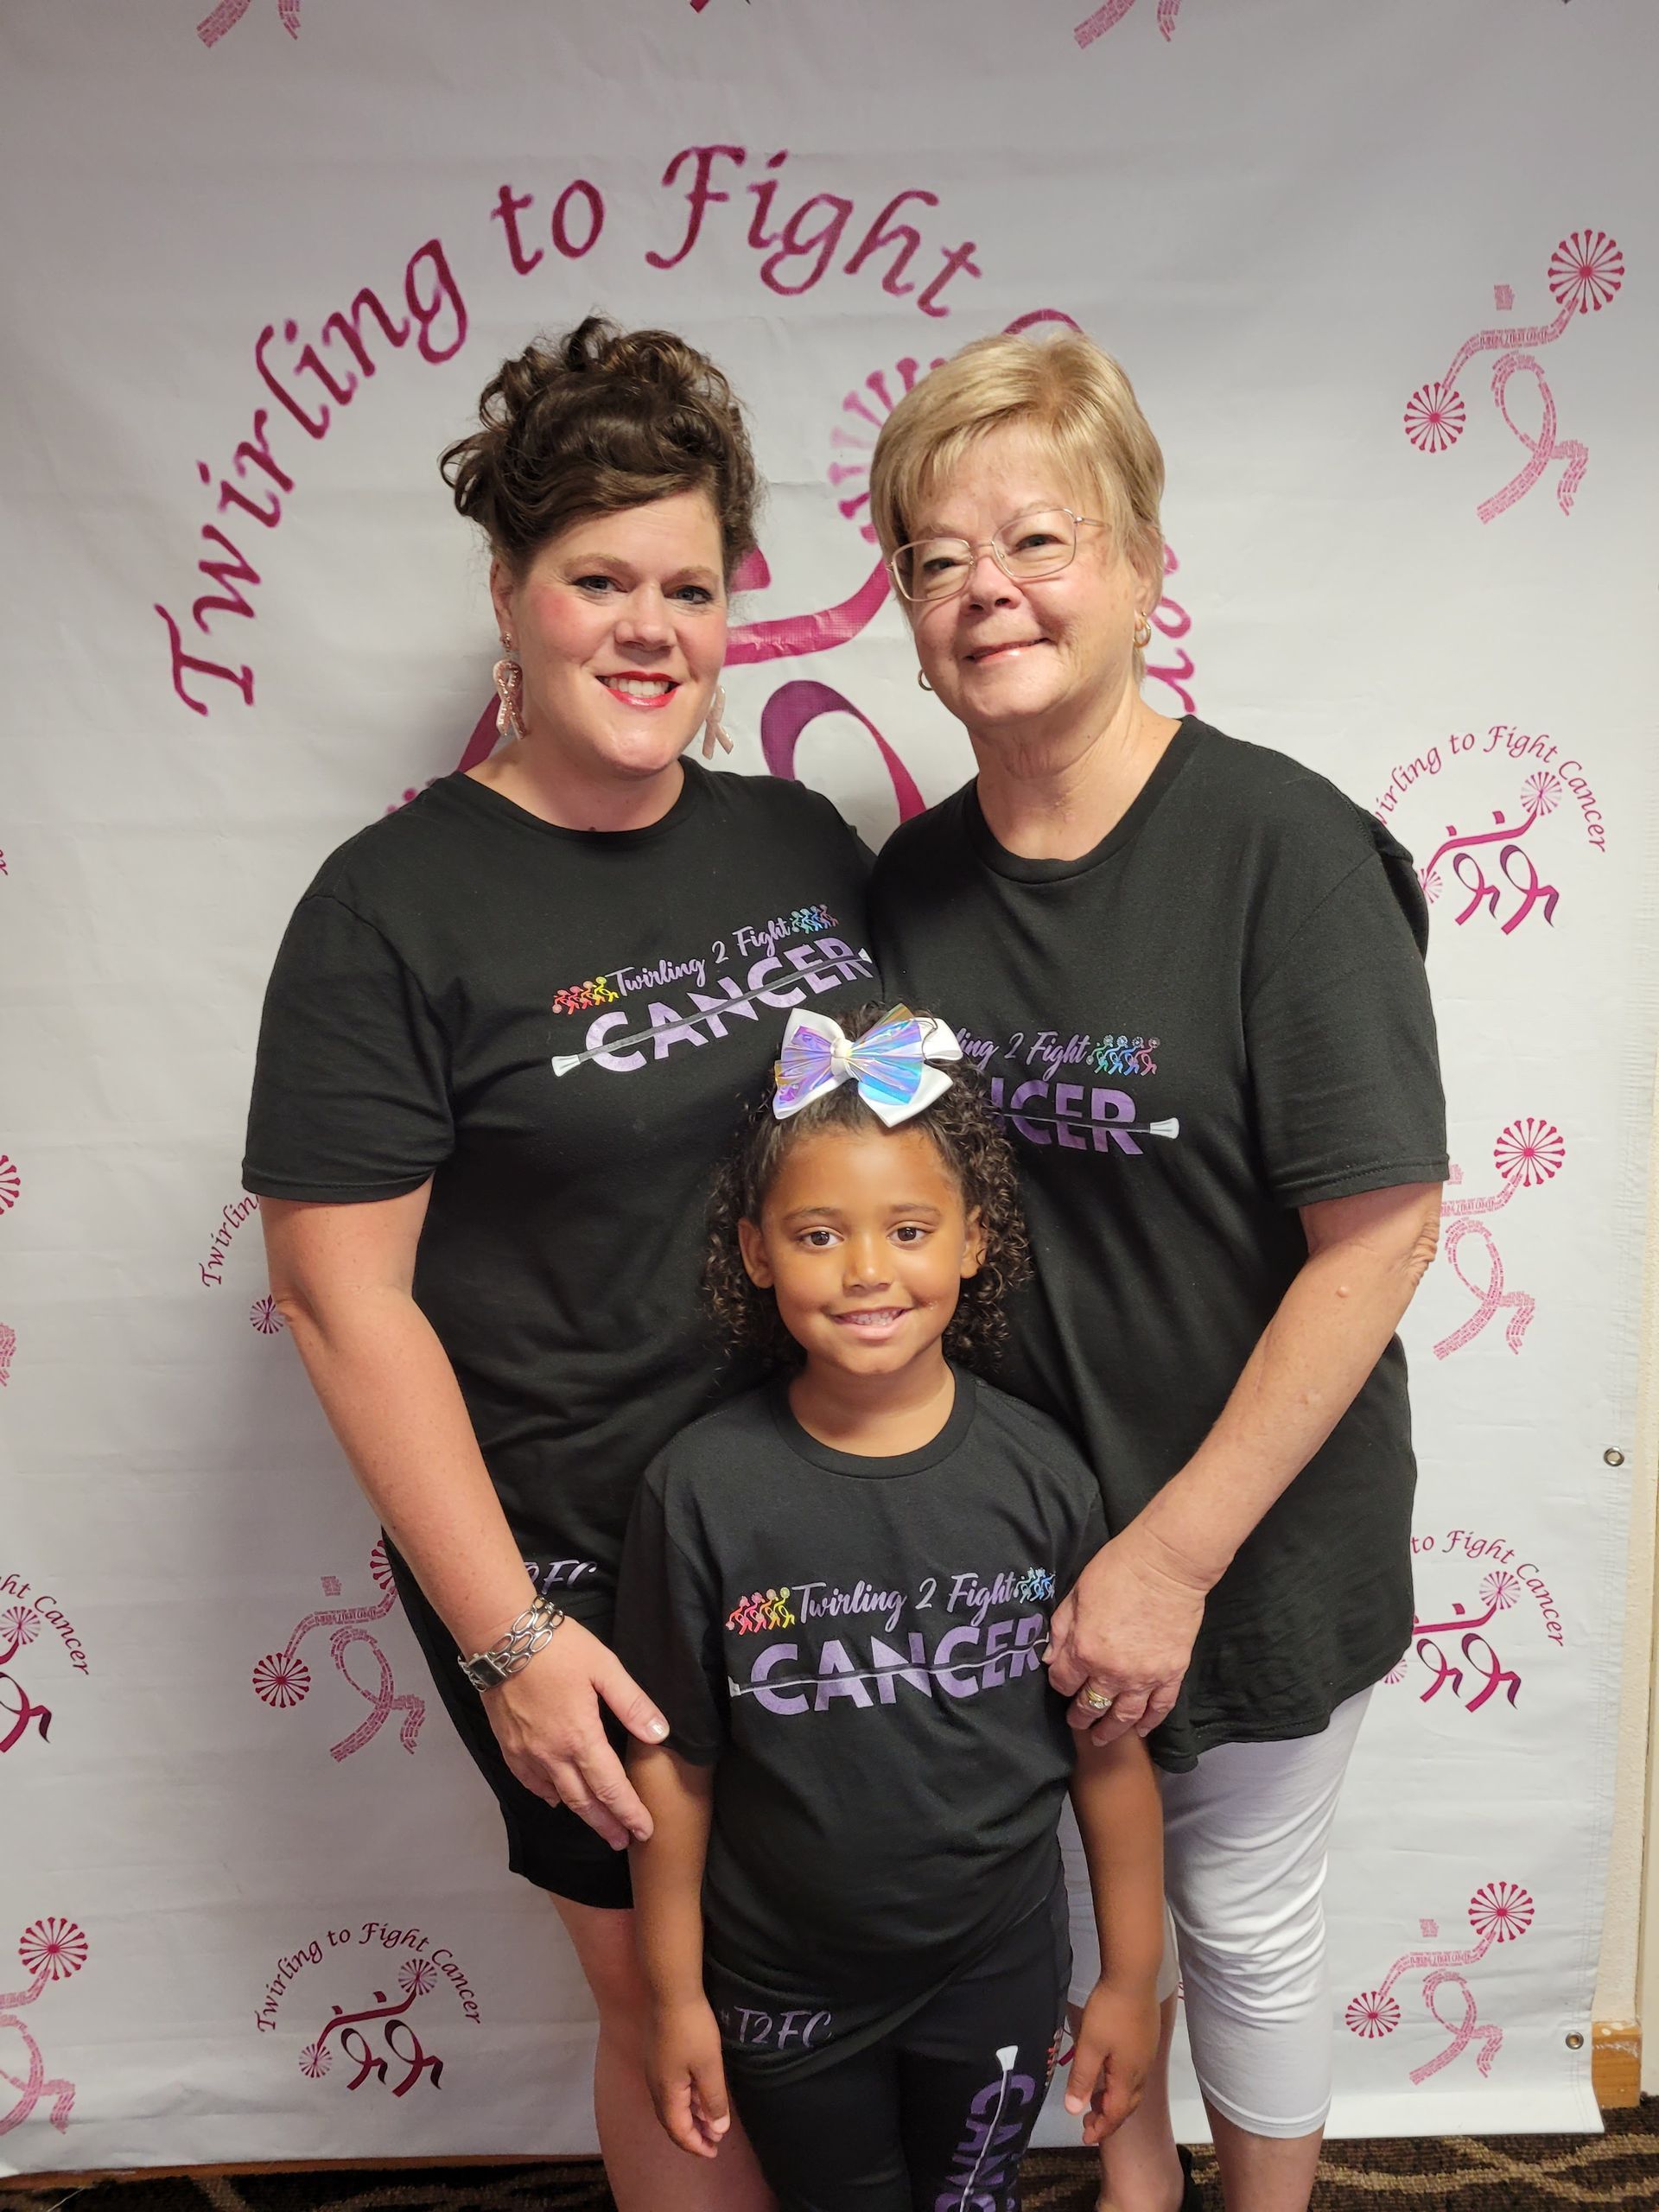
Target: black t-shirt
[[856, 1642], [563, 1029], [1218, 1015]]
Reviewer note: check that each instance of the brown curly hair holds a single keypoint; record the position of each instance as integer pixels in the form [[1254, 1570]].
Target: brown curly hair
[[594, 423], [970, 1143]]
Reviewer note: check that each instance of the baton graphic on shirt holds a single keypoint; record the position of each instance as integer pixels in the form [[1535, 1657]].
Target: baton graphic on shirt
[[935, 1669], [734, 1002], [1172, 1128]]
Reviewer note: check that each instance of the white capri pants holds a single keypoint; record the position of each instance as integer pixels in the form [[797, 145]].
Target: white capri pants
[[1246, 1835]]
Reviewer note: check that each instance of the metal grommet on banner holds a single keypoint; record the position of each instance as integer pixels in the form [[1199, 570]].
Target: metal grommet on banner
[[1575, 2041], [1613, 1456]]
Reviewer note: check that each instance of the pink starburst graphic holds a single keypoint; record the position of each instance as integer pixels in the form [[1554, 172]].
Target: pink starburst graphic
[[1504, 297], [1541, 791], [1434, 418], [55, 1947], [262, 1315], [869, 407], [7, 1347], [417, 1976], [316, 2060], [19, 1625], [281, 1682], [1585, 270], [11, 1184], [380, 1567], [1501, 1590], [1501, 1911], [1372, 2016], [1529, 1151], [1396, 1674]]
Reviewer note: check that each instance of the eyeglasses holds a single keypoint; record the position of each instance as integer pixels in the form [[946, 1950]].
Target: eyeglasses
[[1026, 550]]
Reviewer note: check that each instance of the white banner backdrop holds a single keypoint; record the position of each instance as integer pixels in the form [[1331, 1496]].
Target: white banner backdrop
[[1382, 278]]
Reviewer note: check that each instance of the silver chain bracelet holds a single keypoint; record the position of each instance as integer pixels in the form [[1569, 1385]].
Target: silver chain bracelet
[[529, 1633]]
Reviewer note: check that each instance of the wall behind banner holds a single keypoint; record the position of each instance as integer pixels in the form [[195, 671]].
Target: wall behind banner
[[1383, 280]]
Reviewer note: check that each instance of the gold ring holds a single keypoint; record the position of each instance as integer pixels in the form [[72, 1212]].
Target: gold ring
[[1095, 1700]]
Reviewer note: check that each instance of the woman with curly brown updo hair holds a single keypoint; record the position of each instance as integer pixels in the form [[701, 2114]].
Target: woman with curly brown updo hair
[[837, 1588], [511, 1029]]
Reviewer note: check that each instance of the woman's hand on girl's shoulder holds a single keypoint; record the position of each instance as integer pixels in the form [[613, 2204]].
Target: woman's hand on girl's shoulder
[[687, 2075], [1117, 2046], [547, 1720]]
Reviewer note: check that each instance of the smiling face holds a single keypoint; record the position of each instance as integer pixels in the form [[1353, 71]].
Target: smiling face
[[1030, 661], [864, 1242], [619, 623]]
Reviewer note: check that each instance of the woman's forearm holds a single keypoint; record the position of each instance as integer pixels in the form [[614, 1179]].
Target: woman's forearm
[[1366, 1258], [391, 1398], [668, 1872], [1120, 1818]]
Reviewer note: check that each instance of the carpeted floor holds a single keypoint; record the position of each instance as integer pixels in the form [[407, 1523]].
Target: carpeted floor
[[1523, 2173]]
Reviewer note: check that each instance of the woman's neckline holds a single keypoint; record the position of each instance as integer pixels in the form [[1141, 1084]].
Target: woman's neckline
[[692, 792], [1021, 867]]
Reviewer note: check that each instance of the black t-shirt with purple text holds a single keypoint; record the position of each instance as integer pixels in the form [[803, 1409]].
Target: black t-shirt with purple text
[[1215, 1016], [563, 1029], [855, 1645]]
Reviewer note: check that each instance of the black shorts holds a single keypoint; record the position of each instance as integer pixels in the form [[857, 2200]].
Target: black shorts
[[938, 2111], [547, 1844]]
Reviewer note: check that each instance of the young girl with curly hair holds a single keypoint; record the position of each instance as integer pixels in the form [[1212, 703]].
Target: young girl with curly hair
[[837, 1590]]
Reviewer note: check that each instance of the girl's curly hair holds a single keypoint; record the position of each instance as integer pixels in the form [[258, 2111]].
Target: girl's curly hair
[[969, 1141]]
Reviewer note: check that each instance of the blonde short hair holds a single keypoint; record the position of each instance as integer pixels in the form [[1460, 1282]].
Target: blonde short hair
[[1067, 395]]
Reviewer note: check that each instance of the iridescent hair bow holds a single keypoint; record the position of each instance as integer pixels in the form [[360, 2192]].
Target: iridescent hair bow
[[891, 1064]]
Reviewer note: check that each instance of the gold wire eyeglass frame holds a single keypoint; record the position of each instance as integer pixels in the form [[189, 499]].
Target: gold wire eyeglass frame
[[998, 552]]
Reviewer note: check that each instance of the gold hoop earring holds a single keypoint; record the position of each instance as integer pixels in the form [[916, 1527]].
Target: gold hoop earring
[[714, 729], [1142, 632], [921, 678], [509, 677]]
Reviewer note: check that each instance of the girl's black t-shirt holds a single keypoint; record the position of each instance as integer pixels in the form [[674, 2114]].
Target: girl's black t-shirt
[[563, 1029], [857, 1645], [1218, 1015]]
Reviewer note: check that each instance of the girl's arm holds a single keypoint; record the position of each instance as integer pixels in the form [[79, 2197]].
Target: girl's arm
[[1130, 1624], [341, 1276], [1121, 1819], [683, 2058]]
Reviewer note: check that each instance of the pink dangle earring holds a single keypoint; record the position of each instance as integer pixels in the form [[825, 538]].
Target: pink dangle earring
[[714, 730], [509, 675]]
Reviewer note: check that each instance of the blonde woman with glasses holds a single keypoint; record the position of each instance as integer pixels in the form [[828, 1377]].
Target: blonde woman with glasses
[[1192, 970]]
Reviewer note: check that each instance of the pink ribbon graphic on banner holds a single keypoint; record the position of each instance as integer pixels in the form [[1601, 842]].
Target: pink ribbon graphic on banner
[[229, 14], [1586, 271], [1501, 1912], [1107, 18], [1541, 796], [1544, 448], [19, 1625], [1496, 1675], [1527, 1153], [283, 1680], [414, 1978], [1463, 2032], [51, 1950], [1492, 1298], [1501, 1590]]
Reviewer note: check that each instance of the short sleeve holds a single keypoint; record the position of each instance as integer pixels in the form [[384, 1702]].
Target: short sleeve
[[351, 1083], [1345, 1068], [668, 1630], [1086, 1529]]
